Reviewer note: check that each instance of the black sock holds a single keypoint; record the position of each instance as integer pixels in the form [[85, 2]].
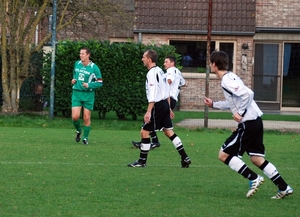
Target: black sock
[[247, 173], [178, 145], [239, 166], [154, 137], [270, 170], [144, 153]]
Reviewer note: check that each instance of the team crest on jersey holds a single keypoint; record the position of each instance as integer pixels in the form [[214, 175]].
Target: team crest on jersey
[[237, 88], [151, 84]]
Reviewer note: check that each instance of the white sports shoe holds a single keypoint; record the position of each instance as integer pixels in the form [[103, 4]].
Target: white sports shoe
[[282, 194], [254, 184]]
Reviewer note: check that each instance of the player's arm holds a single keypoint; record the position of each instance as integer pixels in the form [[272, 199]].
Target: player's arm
[[241, 96], [216, 104], [73, 81], [97, 82], [147, 116], [182, 82]]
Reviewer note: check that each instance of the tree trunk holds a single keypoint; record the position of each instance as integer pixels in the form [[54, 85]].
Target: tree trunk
[[18, 22], [6, 107]]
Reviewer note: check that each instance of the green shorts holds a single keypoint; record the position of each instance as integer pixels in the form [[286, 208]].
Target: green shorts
[[83, 98]]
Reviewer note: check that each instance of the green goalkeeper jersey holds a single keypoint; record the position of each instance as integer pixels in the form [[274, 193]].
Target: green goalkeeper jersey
[[87, 74]]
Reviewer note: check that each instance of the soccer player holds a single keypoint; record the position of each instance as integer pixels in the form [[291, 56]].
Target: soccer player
[[158, 112], [86, 78], [175, 81], [249, 135]]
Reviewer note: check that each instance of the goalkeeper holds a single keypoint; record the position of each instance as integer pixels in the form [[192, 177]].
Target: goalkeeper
[[86, 78]]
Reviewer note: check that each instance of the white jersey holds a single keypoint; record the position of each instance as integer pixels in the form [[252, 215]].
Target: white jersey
[[156, 85], [182, 80], [175, 76], [239, 98]]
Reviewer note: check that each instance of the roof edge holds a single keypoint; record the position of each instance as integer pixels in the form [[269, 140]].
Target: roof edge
[[190, 32], [277, 30]]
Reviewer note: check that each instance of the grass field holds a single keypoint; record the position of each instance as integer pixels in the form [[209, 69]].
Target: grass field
[[44, 172]]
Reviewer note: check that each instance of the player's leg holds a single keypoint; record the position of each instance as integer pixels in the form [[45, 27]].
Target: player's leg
[[185, 160], [88, 106], [87, 125], [239, 166], [76, 122], [155, 143], [233, 148], [75, 117], [76, 111], [145, 141], [272, 173], [163, 121], [257, 154], [144, 148]]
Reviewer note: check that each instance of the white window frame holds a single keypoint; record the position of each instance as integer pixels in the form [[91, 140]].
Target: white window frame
[[217, 45]]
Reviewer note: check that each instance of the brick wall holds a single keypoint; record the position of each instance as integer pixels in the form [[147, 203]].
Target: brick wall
[[191, 98], [278, 13]]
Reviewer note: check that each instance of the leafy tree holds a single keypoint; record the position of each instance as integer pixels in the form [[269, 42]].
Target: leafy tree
[[19, 20]]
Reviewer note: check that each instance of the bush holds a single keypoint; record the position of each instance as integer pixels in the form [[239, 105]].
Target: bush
[[123, 73]]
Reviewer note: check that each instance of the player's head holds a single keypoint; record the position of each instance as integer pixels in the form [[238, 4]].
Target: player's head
[[220, 60], [152, 54], [170, 61], [149, 57], [85, 54]]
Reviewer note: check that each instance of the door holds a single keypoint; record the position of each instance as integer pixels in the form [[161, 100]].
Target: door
[[291, 75], [266, 76]]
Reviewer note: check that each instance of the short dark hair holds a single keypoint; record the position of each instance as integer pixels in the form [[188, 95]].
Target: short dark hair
[[152, 54], [171, 58], [87, 50], [220, 58]]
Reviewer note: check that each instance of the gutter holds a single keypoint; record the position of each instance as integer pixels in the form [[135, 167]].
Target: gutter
[[191, 32], [277, 30]]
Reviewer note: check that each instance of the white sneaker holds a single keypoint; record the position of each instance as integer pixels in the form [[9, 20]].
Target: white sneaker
[[254, 184], [282, 194]]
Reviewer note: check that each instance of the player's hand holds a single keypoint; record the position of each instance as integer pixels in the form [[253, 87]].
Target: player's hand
[[237, 117], [147, 117], [172, 114], [73, 81], [208, 102], [86, 85]]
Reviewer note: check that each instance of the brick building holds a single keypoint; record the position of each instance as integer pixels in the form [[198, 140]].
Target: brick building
[[261, 37]]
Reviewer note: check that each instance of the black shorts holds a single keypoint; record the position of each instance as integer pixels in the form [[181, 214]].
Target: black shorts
[[247, 138], [160, 117], [173, 103]]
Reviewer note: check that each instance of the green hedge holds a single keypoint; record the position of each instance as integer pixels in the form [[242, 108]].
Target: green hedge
[[123, 72]]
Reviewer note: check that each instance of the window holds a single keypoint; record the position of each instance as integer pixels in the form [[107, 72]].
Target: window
[[266, 72], [193, 53], [276, 75], [291, 75]]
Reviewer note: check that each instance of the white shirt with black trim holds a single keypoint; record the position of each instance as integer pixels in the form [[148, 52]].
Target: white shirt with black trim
[[239, 98], [174, 75], [156, 85]]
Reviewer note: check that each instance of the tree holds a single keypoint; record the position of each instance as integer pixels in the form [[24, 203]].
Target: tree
[[19, 19]]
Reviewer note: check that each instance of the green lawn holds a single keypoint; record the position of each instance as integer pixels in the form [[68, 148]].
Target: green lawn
[[44, 172]]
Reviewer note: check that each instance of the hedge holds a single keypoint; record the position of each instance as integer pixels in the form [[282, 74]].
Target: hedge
[[123, 73]]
